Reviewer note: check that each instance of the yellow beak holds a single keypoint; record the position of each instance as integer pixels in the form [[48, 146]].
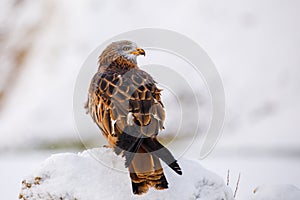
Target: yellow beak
[[139, 51]]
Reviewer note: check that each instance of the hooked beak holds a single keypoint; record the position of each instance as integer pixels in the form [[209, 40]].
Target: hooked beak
[[139, 51]]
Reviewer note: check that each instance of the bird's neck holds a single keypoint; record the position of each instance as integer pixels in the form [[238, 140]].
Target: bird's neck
[[118, 64]]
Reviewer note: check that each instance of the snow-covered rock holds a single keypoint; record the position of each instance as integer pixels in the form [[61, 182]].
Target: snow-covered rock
[[276, 192], [100, 174]]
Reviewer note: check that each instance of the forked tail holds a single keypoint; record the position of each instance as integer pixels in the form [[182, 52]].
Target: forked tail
[[142, 159]]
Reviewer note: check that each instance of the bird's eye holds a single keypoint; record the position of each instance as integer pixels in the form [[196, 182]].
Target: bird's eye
[[126, 48]]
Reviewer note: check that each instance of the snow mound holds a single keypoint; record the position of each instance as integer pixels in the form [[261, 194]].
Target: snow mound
[[100, 174], [276, 192]]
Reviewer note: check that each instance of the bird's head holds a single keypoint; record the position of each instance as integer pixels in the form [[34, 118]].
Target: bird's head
[[124, 48], [128, 49]]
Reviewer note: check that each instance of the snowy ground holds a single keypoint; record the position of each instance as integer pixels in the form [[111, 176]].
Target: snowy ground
[[84, 176], [255, 170], [276, 192]]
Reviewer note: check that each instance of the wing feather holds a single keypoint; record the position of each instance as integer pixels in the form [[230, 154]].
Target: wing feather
[[114, 96]]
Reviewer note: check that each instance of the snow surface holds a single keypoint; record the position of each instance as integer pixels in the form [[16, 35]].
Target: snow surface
[[276, 192], [255, 171], [84, 176]]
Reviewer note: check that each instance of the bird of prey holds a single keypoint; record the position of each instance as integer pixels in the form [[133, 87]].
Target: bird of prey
[[125, 103]]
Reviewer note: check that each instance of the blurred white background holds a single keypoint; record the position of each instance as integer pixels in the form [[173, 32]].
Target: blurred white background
[[254, 44]]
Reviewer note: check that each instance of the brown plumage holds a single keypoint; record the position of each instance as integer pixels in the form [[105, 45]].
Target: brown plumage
[[125, 103]]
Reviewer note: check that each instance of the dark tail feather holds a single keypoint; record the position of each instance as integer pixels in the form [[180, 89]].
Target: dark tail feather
[[162, 182], [131, 151], [129, 144], [145, 172], [153, 146]]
